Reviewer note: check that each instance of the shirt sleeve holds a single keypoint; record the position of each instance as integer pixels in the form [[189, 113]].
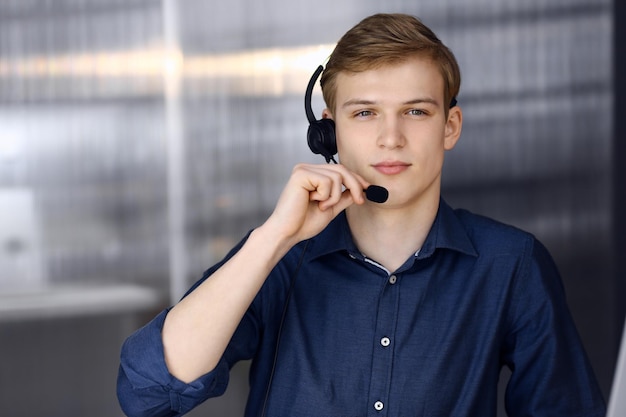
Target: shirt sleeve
[[146, 388], [551, 375], [144, 385]]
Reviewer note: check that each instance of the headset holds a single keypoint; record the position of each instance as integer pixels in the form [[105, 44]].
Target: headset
[[320, 135]]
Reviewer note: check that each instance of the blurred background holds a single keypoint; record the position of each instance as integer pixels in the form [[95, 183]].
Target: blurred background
[[140, 139]]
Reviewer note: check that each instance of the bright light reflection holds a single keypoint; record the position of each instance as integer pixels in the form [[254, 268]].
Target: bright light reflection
[[265, 68]]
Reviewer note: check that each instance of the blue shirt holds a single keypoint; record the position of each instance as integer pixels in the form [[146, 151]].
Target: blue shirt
[[428, 339]]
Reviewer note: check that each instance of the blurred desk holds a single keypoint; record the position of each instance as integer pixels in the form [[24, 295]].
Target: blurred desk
[[72, 301], [63, 343]]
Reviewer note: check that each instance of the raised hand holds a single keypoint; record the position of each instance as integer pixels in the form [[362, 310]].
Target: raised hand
[[313, 196]]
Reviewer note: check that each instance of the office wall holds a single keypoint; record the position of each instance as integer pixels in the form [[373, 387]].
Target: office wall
[[150, 135]]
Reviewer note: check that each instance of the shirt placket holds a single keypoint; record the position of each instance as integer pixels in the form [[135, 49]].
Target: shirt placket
[[384, 339]]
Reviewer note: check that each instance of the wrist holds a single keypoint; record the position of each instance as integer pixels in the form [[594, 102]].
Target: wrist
[[270, 240]]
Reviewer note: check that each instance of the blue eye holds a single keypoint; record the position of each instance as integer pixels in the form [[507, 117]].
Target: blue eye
[[416, 112], [363, 113]]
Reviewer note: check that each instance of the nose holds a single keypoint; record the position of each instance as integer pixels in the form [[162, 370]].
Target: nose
[[391, 135]]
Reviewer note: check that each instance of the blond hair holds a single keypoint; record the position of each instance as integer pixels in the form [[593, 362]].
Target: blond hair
[[387, 39]]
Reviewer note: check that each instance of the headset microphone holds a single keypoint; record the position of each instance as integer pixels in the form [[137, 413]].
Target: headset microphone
[[376, 193]]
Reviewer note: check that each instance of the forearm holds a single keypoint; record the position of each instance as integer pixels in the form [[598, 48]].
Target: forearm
[[198, 329], [146, 388]]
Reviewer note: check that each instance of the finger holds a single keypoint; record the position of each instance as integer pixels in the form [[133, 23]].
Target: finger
[[356, 185], [344, 202], [327, 183], [327, 186]]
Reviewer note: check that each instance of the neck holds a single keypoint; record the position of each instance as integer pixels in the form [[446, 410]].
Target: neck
[[390, 235]]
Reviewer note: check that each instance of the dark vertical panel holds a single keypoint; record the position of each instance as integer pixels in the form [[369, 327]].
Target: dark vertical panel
[[619, 154]]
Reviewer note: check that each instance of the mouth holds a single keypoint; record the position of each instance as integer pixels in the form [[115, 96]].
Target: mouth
[[391, 167]]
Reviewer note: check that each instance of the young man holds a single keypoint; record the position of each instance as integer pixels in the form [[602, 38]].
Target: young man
[[349, 307]]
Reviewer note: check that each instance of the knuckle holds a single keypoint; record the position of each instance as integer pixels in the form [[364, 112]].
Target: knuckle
[[298, 167]]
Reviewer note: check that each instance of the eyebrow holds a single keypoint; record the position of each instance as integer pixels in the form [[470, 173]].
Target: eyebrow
[[362, 102]]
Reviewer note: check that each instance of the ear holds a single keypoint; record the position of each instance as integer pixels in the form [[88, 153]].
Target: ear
[[453, 127], [326, 114]]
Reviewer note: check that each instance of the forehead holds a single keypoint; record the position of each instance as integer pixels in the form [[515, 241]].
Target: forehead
[[416, 77]]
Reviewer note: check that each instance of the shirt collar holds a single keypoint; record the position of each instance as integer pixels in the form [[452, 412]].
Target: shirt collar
[[447, 232]]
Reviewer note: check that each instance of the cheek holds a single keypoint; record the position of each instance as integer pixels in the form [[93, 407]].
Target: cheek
[[352, 152], [349, 143], [429, 154], [347, 154]]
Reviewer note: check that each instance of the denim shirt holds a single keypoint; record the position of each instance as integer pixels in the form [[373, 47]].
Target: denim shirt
[[333, 333]]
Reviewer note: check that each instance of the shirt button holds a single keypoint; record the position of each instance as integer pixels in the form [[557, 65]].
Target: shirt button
[[385, 341], [378, 406], [392, 279]]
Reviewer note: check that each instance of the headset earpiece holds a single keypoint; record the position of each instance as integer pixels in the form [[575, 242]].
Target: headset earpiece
[[321, 138], [321, 133]]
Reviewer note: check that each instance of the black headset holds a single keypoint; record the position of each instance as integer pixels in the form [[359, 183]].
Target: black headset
[[321, 133]]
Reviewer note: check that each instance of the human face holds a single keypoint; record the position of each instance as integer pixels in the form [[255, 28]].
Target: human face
[[392, 128]]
